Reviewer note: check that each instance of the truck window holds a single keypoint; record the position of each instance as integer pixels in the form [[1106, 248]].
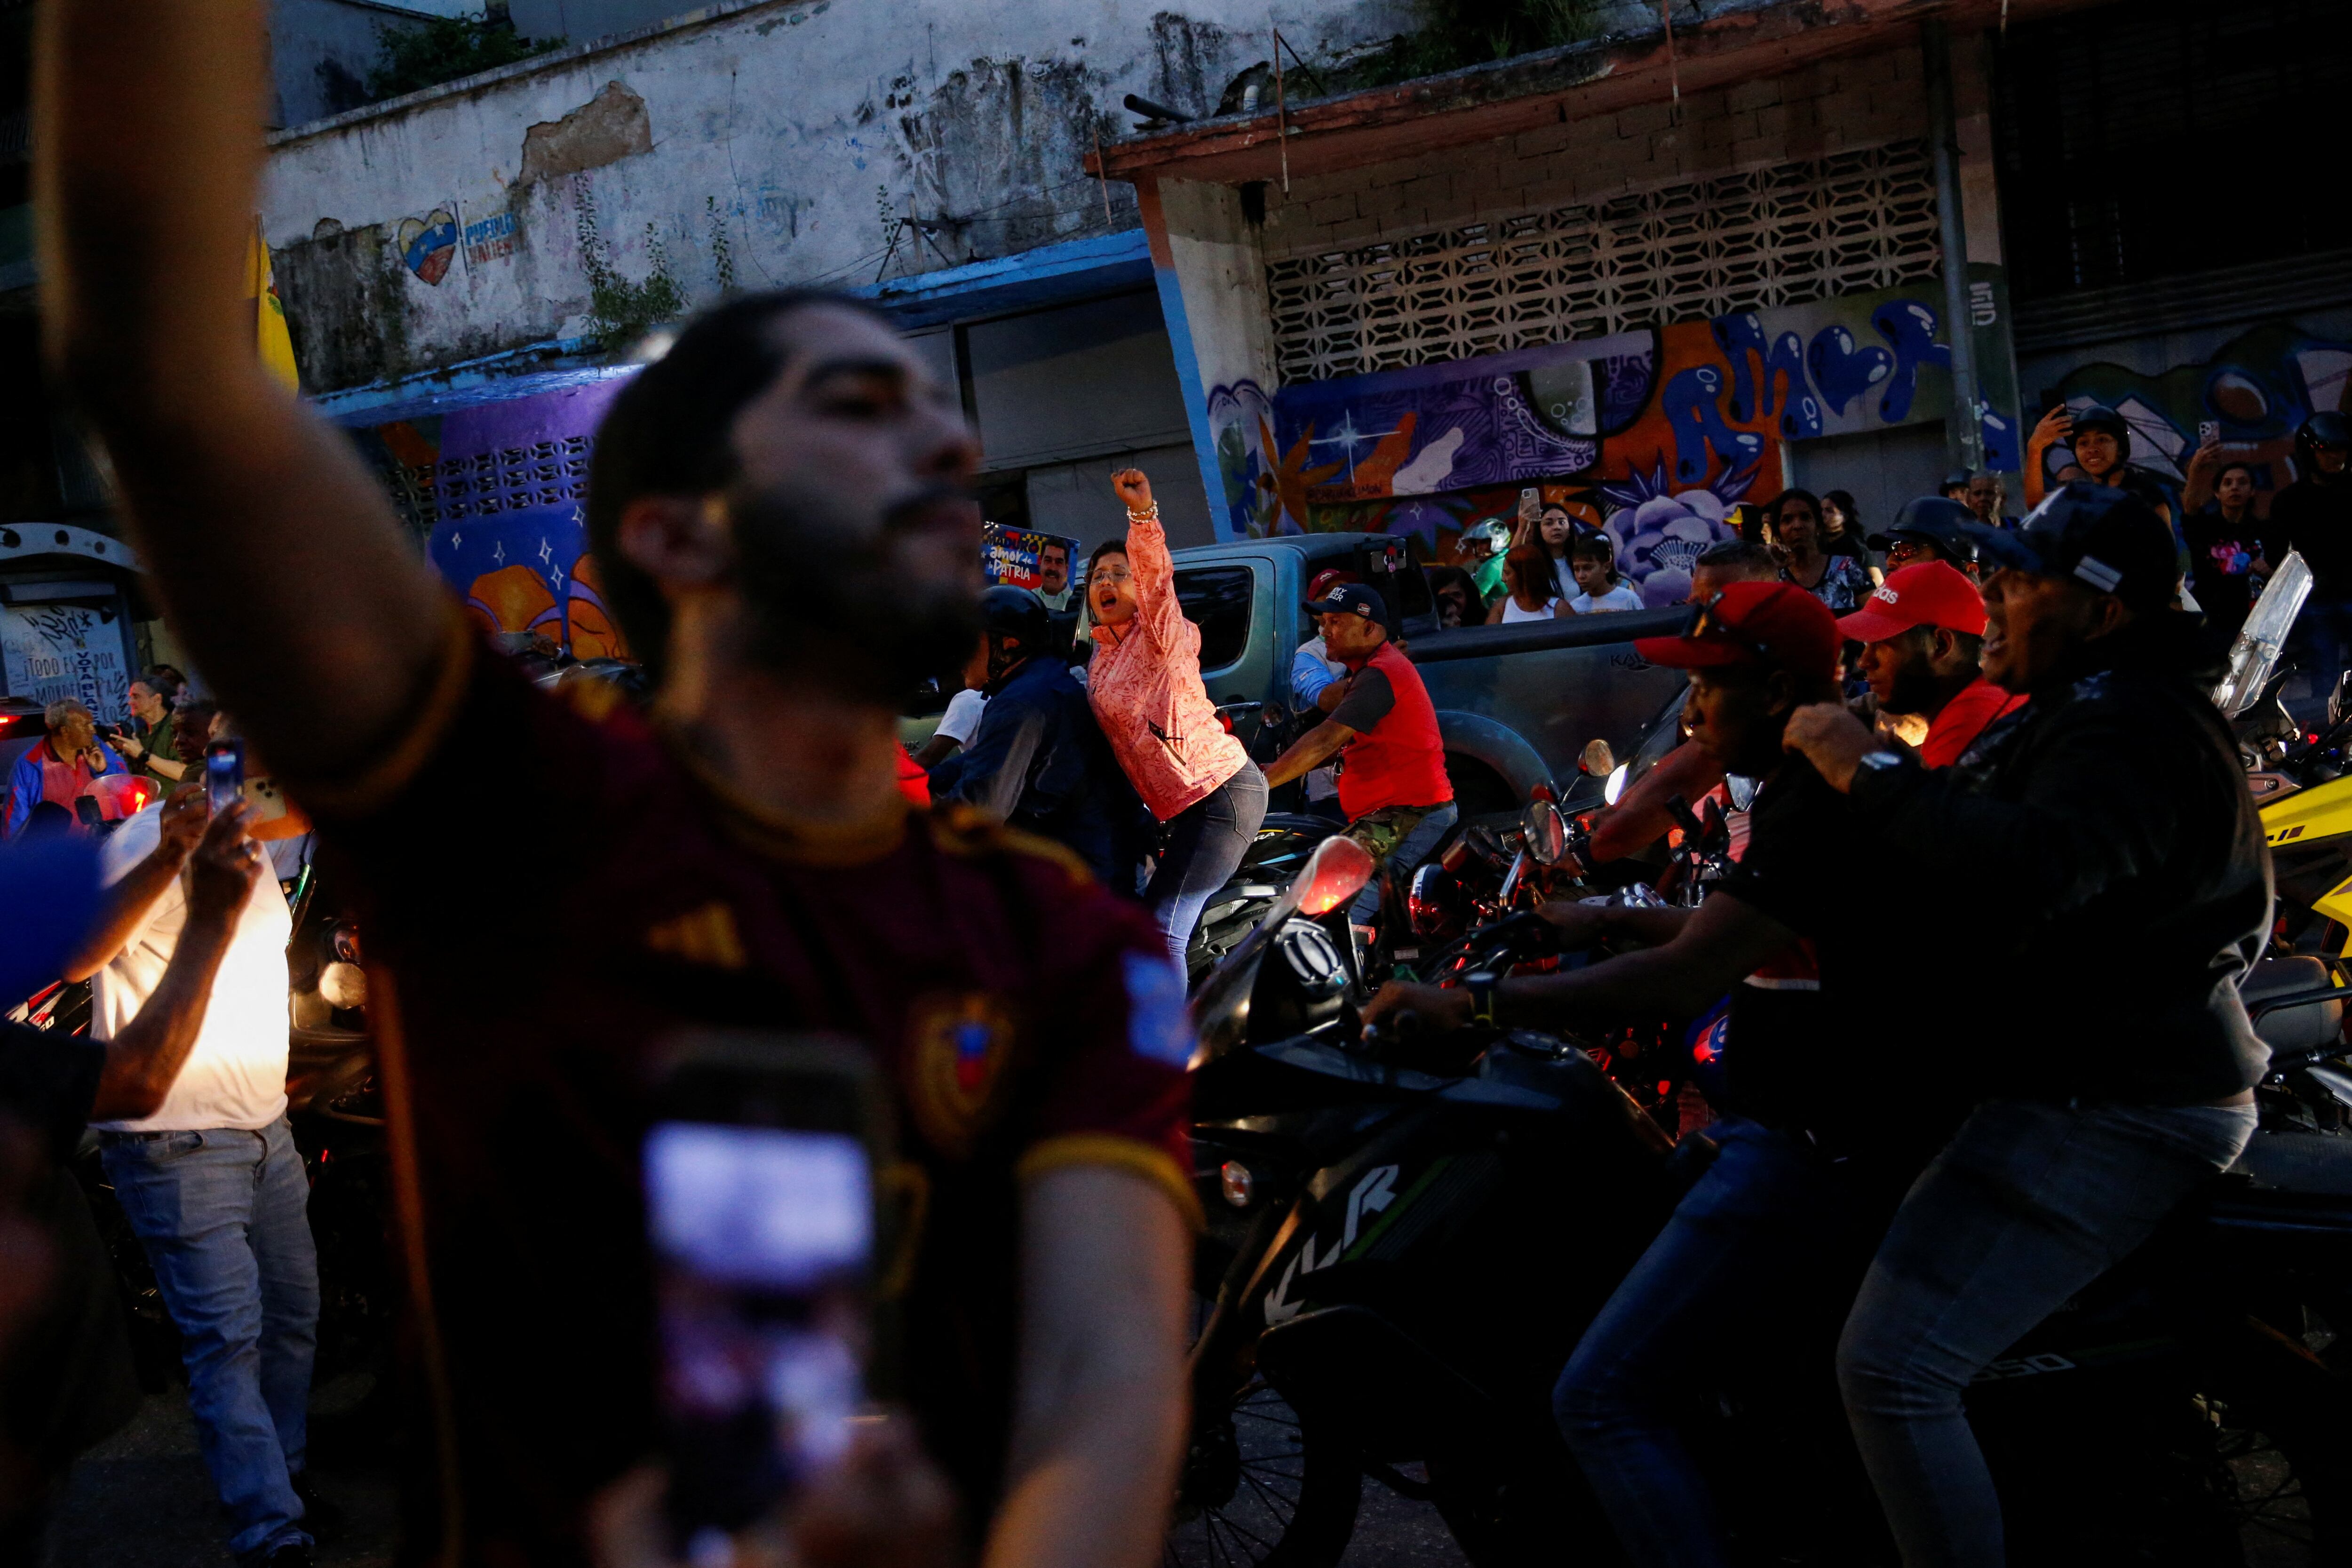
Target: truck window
[[1217, 600]]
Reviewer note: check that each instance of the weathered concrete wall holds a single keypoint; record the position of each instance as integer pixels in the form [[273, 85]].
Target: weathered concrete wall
[[789, 141]]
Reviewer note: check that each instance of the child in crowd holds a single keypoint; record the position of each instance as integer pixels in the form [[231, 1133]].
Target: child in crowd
[[1594, 559]]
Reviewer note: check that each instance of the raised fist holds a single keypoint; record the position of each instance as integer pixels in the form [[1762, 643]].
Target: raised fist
[[1133, 488]]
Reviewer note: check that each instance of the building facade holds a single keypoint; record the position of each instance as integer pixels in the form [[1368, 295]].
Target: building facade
[[1656, 275]]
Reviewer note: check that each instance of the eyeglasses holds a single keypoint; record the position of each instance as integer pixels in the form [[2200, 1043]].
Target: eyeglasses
[[1903, 551], [1115, 574], [1704, 623]]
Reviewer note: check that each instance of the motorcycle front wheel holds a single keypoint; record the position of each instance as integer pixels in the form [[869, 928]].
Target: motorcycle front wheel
[[1260, 1490]]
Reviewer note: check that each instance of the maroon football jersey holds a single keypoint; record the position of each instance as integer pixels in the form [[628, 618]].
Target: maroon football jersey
[[548, 892]]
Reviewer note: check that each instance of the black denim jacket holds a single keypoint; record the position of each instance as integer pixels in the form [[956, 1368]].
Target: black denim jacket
[[2100, 853]]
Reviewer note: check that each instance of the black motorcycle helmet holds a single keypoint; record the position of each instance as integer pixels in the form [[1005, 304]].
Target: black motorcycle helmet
[[1937, 521], [1009, 612], [2099, 416], [2324, 428]]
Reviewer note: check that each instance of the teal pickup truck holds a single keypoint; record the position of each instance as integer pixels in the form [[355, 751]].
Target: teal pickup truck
[[1517, 704]]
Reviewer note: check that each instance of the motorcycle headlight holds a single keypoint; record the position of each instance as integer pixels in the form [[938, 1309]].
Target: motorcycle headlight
[[343, 984]]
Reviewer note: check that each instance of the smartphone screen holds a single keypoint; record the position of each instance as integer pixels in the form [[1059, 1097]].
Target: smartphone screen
[[763, 1238], [223, 773]]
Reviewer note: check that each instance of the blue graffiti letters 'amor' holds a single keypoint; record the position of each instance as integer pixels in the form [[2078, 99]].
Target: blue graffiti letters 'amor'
[[1693, 404], [1762, 369], [1910, 328]]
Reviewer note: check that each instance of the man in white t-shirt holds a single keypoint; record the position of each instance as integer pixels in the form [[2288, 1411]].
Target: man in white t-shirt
[[212, 1182]]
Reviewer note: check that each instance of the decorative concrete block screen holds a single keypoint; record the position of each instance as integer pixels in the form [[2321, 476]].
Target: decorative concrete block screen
[[513, 479], [1844, 223]]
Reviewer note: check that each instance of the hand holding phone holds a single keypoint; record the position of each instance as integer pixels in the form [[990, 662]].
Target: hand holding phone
[[761, 1202], [223, 773]]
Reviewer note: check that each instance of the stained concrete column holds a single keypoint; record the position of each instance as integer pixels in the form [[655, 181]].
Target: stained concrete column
[[1210, 265]]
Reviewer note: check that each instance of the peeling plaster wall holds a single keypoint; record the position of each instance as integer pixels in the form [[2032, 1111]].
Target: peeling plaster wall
[[810, 133]]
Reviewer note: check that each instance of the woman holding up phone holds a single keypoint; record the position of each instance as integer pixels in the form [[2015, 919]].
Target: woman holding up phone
[[1145, 688]]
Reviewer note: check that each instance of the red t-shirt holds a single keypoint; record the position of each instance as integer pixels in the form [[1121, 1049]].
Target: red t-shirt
[[1953, 730], [1398, 757], [542, 922]]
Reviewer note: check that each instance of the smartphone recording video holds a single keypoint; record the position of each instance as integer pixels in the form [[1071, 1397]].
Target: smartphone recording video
[[760, 1200], [223, 773]]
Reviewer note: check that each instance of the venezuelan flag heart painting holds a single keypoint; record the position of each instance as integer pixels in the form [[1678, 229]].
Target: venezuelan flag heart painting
[[427, 244]]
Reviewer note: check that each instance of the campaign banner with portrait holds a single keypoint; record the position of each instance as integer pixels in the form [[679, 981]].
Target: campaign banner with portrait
[[54, 651], [1014, 556]]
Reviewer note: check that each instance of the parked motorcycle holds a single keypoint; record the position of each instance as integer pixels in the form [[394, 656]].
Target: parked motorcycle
[[1408, 1235]]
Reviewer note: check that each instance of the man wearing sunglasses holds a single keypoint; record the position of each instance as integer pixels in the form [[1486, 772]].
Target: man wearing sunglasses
[[1747, 1284], [1932, 528]]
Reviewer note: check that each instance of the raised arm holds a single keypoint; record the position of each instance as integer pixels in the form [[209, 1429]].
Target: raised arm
[[145, 1058], [133, 899], [280, 563], [1157, 611]]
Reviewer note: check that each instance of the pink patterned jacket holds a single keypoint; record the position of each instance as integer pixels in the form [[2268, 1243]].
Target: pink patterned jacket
[[1145, 685]]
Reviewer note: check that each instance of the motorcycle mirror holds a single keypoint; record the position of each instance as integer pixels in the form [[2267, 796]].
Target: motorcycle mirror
[[1546, 833], [1598, 760], [1679, 811], [1431, 901], [1615, 787]]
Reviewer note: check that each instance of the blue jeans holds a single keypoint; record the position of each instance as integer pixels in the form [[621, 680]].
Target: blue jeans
[[1771, 1233], [223, 1215], [1205, 843], [2027, 1206]]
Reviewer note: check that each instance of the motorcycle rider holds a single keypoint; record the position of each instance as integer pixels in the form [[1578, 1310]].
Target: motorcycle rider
[[2313, 517], [1931, 528], [1757, 1263], [737, 857], [1641, 814], [2313, 514], [2107, 821], [1923, 636], [1039, 760], [1392, 784]]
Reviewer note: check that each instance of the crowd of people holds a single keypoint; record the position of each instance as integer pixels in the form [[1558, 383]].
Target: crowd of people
[[2075, 792], [744, 851]]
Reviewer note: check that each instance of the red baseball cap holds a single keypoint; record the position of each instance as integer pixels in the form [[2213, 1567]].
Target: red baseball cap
[[1923, 593], [1777, 623]]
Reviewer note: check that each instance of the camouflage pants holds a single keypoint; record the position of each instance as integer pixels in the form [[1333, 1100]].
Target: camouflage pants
[[1401, 837]]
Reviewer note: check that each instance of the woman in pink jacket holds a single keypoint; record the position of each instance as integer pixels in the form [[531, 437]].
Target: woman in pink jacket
[[1145, 685]]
